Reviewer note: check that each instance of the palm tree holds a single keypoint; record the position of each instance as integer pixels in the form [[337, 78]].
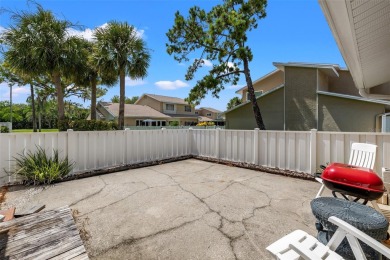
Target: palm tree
[[38, 43], [90, 76], [120, 49]]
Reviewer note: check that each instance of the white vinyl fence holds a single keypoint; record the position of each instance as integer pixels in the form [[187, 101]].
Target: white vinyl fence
[[91, 150], [300, 151]]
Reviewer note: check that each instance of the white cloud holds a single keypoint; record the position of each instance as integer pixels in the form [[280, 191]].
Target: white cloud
[[236, 86], [88, 33], [132, 83], [17, 92], [207, 63], [171, 85]]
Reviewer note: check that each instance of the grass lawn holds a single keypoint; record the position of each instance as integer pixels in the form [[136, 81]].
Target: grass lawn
[[30, 130]]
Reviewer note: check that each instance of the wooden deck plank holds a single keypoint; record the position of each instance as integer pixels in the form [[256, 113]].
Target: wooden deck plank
[[71, 254], [50, 250], [36, 229], [32, 219], [81, 257], [41, 238], [29, 211], [43, 235]]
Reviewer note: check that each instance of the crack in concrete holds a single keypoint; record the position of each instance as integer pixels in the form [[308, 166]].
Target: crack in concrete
[[220, 227], [90, 195], [132, 240], [230, 238]]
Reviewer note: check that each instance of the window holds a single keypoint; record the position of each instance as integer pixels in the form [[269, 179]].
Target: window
[[196, 113], [170, 107], [208, 114], [257, 94], [187, 108]]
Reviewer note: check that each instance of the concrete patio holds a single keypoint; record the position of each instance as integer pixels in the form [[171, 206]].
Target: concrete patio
[[183, 210]]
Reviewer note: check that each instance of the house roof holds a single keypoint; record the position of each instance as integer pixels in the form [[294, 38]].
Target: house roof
[[377, 101], [183, 116], [204, 119], [327, 68], [134, 111], [210, 109], [361, 30], [165, 99]]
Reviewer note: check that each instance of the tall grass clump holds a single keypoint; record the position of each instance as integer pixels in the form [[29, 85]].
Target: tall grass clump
[[40, 168]]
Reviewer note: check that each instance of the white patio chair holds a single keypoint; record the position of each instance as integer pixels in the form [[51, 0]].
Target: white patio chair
[[362, 155], [300, 245]]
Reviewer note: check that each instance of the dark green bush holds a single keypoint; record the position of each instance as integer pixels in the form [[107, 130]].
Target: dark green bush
[[87, 125], [4, 129], [174, 123], [40, 168]]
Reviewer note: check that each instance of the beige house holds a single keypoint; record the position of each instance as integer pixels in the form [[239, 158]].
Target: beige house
[[157, 110], [135, 115], [208, 114], [303, 96], [177, 109]]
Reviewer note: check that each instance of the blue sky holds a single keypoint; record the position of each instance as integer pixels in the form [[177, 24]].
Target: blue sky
[[294, 30]]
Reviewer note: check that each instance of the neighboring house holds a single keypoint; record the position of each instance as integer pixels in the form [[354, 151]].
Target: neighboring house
[[176, 109], [303, 96], [157, 110], [135, 115], [208, 114]]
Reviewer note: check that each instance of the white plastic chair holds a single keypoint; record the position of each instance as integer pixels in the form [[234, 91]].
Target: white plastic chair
[[362, 155], [300, 245]]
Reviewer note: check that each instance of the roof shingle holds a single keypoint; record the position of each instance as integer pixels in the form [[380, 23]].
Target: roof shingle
[[135, 111], [167, 99]]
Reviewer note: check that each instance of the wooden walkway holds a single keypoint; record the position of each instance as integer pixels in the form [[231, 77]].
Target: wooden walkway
[[47, 235]]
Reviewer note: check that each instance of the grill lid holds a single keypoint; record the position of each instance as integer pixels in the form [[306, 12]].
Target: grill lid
[[353, 176]]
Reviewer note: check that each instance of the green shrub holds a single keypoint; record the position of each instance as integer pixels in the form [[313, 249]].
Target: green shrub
[[174, 123], [4, 129], [39, 168], [87, 125]]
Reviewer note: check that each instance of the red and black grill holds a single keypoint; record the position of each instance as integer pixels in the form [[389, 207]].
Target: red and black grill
[[362, 183]]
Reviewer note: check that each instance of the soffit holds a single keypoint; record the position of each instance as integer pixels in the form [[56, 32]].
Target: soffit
[[362, 31]]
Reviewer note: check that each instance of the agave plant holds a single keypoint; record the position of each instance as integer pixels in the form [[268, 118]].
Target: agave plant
[[40, 168]]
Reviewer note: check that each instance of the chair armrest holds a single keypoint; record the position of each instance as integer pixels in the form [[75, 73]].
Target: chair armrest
[[360, 235]]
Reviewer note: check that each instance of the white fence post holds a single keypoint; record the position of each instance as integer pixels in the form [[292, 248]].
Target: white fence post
[[72, 157], [256, 146], [190, 139], [218, 130], [313, 151]]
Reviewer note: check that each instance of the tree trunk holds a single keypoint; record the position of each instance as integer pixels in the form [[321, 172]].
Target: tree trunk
[[121, 117], [39, 113], [93, 98], [60, 96], [252, 97], [34, 118]]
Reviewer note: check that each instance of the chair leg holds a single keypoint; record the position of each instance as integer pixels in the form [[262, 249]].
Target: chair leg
[[320, 191]]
